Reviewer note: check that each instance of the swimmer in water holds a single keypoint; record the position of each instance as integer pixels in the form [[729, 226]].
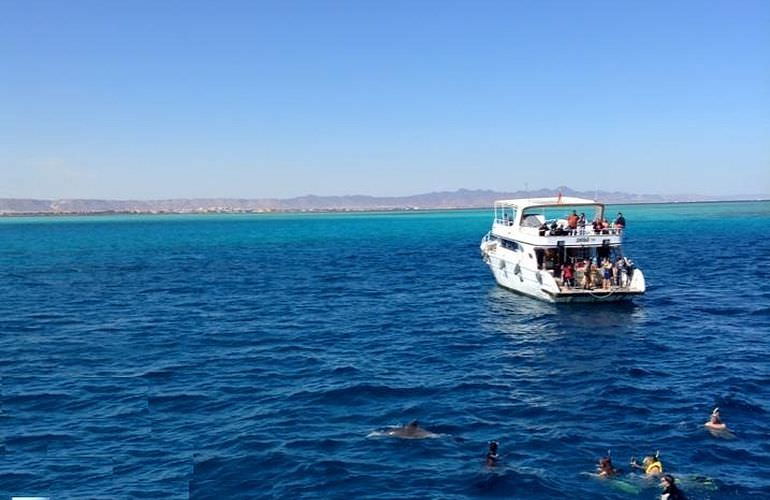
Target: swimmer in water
[[651, 465], [670, 490], [492, 456], [605, 467], [715, 422]]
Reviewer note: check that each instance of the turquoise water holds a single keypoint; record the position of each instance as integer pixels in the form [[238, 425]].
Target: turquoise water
[[243, 356]]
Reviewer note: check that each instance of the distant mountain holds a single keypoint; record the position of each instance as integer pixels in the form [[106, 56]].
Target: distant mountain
[[462, 198]]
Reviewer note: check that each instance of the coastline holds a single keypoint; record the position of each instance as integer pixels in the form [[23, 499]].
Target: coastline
[[321, 211]]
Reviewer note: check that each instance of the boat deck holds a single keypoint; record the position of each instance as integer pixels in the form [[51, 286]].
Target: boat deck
[[598, 290], [576, 294]]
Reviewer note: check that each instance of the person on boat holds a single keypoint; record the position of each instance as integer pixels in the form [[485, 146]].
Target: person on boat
[[651, 465], [572, 222], [630, 266], [492, 457], [582, 223], [715, 422], [588, 270], [567, 275], [542, 229], [605, 226], [605, 467], [597, 225], [606, 274], [620, 222], [670, 490]]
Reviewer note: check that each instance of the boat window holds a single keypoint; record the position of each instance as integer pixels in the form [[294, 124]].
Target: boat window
[[510, 245], [505, 215], [532, 220], [550, 258], [540, 254]]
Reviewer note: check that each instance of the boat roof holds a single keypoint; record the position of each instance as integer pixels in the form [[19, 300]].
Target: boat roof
[[522, 203]]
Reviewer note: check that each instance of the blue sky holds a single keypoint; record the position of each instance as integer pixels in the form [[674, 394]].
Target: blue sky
[[259, 99]]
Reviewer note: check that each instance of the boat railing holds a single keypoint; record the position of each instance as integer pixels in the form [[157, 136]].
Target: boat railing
[[579, 231]]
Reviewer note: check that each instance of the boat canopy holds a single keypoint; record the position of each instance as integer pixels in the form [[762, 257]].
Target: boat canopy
[[554, 201], [533, 212]]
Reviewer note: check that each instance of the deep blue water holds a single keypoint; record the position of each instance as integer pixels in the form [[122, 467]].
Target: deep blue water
[[251, 356]]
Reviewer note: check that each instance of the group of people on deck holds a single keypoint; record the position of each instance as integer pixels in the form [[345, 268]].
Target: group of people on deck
[[616, 273], [576, 225]]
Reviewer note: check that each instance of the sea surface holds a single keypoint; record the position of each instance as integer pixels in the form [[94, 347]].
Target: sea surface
[[254, 356]]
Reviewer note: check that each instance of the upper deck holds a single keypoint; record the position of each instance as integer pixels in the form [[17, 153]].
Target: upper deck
[[556, 221]]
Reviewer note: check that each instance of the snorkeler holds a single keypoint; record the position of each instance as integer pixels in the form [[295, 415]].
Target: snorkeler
[[651, 465], [670, 490], [605, 467], [492, 456], [715, 422]]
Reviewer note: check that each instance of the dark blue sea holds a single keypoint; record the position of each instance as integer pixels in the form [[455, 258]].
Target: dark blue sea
[[253, 356]]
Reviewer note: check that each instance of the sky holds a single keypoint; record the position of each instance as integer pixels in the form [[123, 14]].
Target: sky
[[179, 99]]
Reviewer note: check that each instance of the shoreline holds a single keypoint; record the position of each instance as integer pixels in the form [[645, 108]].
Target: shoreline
[[321, 211]]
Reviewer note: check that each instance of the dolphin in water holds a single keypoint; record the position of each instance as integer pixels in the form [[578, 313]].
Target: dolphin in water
[[412, 430]]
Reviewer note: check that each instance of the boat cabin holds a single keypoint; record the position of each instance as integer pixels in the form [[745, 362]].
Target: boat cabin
[[563, 221], [556, 231]]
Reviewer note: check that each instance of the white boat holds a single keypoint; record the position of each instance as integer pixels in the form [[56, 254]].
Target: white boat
[[536, 244]]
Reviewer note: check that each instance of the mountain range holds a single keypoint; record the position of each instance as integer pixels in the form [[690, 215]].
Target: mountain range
[[461, 198]]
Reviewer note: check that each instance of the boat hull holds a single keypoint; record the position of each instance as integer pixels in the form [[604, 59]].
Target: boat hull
[[513, 274]]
